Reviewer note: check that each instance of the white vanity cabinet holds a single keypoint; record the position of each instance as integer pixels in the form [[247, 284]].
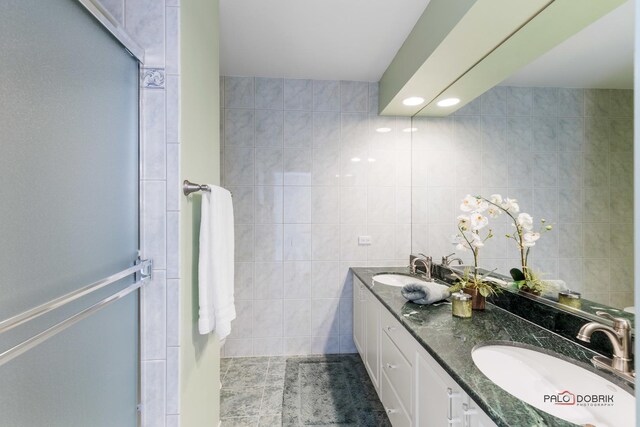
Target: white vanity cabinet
[[414, 389], [438, 397], [371, 354], [358, 315], [476, 417]]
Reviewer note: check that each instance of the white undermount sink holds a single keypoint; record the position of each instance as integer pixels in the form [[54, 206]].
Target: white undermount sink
[[395, 279], [529, 375]]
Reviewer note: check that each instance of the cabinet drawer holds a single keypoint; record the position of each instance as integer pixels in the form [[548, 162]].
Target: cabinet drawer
[[398, 334], [395, 411], [398, 370]]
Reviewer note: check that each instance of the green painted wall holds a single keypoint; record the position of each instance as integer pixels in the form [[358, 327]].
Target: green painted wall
[[435, 23], [460, 49], [200, 162]]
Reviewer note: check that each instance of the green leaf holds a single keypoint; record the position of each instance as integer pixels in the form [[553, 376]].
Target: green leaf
[[517, 274], [484, 291], [520, 284], [456, 287]]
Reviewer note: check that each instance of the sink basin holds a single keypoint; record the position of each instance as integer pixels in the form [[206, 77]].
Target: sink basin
[[395, 279], [555, 385]]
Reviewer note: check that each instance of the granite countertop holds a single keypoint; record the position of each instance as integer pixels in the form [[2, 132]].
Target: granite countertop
[[450, 341]]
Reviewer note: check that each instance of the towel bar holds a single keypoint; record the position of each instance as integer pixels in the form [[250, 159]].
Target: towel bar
[[142, 266], [142, 270], [28, 344], [189, 187]]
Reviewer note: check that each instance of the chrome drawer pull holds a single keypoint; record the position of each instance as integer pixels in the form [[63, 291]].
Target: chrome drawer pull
[[391, 328], [390, 411], [452, 395], [390, 366], [467, 414]]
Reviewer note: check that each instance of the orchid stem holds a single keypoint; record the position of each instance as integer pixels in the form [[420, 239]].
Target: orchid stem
[[519, 240]]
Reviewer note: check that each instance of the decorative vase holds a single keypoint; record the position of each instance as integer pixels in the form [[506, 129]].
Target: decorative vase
[[477, 300]]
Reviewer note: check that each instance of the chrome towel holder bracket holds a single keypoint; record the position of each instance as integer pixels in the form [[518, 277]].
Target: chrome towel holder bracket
[[189, 187]]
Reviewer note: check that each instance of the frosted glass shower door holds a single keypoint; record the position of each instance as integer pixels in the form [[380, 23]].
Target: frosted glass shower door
[[68, 214]]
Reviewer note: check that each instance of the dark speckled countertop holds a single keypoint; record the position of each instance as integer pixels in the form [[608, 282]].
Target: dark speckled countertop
[[450, 341]]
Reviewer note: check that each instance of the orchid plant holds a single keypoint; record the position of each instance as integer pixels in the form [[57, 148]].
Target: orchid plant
[[472, 235], [525, 237]]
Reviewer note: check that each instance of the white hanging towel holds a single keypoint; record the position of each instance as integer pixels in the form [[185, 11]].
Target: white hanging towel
[[215, 266]]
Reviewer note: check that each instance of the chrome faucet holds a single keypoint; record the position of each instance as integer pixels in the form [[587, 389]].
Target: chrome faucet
[[426, 261], [447, 260], [620, 337]]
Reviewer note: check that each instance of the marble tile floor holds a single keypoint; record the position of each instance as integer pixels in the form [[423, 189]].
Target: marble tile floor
[[253, 388]]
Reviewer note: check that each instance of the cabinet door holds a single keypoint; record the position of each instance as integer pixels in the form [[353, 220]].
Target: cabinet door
[[474, 416], [372, 338], [438, 398], [358, 315], [391, 402]]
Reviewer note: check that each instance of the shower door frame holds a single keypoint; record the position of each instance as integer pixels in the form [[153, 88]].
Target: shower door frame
[[109, 23]]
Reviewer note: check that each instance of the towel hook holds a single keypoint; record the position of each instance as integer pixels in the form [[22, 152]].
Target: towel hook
[[189, 187]]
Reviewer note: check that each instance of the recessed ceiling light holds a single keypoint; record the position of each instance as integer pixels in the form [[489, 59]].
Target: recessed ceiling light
[[448, 102], [409, 130], [371, 159], [383, 130], [355, 159], [413, 101]]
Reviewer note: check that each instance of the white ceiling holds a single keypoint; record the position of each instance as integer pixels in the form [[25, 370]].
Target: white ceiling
[[600, 56], [314, 39]]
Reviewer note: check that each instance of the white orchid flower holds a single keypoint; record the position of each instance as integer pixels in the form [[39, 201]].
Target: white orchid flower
[[496, 198], [510, 205], [493, 212], [464, 221], [468, 203], [478, 221], [530, 238], [476, 241], [461, 247], [481, 205], [459, 242], [525, 221]]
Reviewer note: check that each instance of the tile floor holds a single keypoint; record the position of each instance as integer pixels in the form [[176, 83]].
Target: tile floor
[[330, 391], [253, 388]]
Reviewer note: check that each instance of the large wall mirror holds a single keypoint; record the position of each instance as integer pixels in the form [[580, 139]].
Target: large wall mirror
[[557, 136]]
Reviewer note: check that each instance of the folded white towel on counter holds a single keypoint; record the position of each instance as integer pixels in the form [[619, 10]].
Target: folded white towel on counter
[[216, 263], [425, 292]]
